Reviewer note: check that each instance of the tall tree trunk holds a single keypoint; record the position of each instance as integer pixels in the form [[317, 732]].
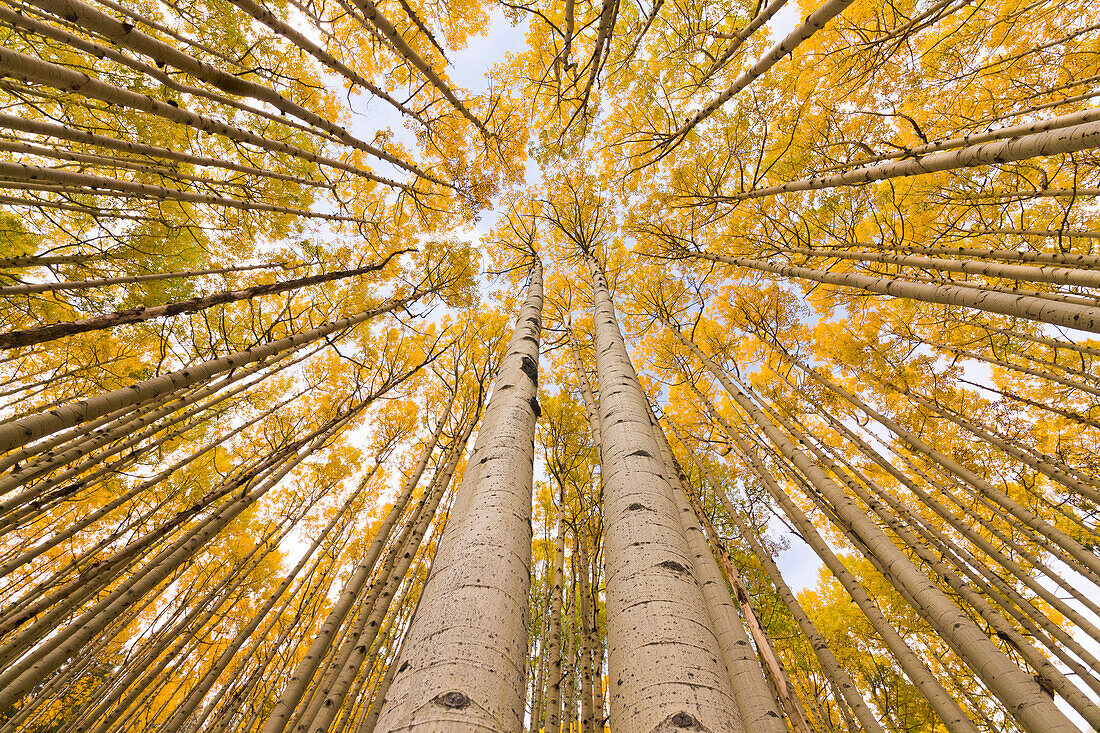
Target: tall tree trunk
[[394, 569], [303, 674], [538, 699], [665, 668], [1056, 275], [466, 651], [41, 334], [71, 285], [811, 25], [1080, 558], [829, 663], [1019, 692], [569, 681], [75, 134], [582, 565], [755, 699], [553, 642], [1083, 318], [19, 679], [29, 68], [1080, 136], [941, 702], [163, 54]]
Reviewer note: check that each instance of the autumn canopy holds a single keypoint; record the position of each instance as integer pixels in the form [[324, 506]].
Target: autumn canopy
[[523, 366]]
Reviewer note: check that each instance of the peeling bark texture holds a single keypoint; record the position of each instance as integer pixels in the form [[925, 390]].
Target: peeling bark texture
[[665, 667], [464, 659]]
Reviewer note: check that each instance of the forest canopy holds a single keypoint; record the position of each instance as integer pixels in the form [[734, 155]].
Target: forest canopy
[[705, 365]]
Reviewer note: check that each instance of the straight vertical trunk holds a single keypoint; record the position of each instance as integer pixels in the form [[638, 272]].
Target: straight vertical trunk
[[553, 643], [829, 663], [754, 697], [569, 683], [588, 712], [538, 700], [664, 662], [464, 662]]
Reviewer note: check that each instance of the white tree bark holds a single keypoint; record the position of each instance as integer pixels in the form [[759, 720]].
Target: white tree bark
[[1019, 692], [17, 433], [755, 699], [665, 666], [1082, 136], [1083, 318], [1056, 275], [463, 663]]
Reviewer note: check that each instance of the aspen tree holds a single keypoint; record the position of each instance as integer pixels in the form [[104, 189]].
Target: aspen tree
[[542, 662], [1020, 692], [473, 671], [664, 662], [754, 697], [62, 132], [1049, 675], [158, 491], [570, 657], [195, 696], [1082, 136], [54, 331], [374, 608], [825, 656], [277, 720], [19, 679], [769, 664], [20, 432], [938, 698], [585, 627], [1057, 313], [554, 674], [1086, 562]]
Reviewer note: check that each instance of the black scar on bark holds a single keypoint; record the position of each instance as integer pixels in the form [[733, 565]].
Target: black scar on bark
[[636, 506], [641, 452], [683, 720], [528, 366], [672, 565], [454, 700], [535, 408]]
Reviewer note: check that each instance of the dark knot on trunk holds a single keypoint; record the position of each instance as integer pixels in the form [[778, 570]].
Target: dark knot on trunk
[[454, 700]]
